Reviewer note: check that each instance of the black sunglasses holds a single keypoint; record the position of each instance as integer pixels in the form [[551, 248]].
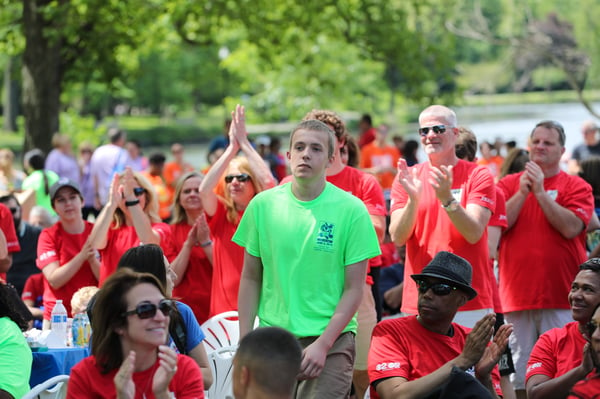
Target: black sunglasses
[[242, 177], [439, 289], [138, 191], [437, 129], [148, 310]]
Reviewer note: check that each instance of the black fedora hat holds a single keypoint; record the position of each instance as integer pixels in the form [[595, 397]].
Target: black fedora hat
[[452, 268]]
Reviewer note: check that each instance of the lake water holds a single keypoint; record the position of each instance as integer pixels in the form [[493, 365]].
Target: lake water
[[508, 122]]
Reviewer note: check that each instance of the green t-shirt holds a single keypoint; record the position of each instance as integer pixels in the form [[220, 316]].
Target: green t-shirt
[[35, 181], [15, 359], [304, 248]]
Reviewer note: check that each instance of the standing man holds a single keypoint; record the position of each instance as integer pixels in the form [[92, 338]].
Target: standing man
[[176, 168], [547, 211], [307, 245], [589, 148], [380, 159], [107, 160], [443, 204]]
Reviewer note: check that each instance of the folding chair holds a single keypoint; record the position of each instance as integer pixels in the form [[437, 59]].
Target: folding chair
[[221, 364], [53, 388]]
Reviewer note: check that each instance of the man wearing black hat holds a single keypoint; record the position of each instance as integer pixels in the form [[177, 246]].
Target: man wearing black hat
[[424, 356]]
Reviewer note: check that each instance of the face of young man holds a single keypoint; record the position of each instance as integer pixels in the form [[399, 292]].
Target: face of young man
[[309, 154]]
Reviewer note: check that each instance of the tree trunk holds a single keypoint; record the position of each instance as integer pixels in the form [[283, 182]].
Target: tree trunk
[[11, 97], [42, 78]]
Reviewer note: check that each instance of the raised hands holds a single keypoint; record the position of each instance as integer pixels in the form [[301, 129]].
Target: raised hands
[[493, 351], [165, 371], [477, 341], [441, 181], [123, 380], [409, 180]]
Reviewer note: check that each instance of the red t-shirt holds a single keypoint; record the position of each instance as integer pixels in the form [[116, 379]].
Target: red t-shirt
[[435, 232], [34, 288], [372, 155], [56, 245], [402, 347], [228, 261], [556, 352], [588, 388], [86, 381], [533, 250], [7, 226], [366, 137], [120, 240], [194, 288]]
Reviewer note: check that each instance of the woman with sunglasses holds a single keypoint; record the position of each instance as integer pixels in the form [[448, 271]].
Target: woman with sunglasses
[[129, 356], [191, 249], [129, 218], [240, 179], [186, 334], [560, 357]]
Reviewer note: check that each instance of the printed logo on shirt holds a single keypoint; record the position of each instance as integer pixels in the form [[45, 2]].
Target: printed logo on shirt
[[457, 194], [47, 255], [553, 194], [582, 212], [387, 366], [534, 366], [325, 236], [471, 371], [486, 199]]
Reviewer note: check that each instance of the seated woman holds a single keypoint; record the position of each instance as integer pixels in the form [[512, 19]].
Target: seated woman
[[16, 358], [560, 358], [184, 328], [129, 356], [129, 218], [242, 177]]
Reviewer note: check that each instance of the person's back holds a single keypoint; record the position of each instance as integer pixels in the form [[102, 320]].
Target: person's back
[[266, 364]]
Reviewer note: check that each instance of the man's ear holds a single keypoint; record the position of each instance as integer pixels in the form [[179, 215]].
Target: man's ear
[[244, 376], [463, 300]]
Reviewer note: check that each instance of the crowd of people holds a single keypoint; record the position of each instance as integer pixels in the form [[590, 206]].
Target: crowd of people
[[484, 268]]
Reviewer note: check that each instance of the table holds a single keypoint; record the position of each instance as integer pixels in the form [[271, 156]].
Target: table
[[54, 362]]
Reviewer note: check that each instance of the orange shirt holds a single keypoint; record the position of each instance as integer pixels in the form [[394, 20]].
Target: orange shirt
[[173, 171], [164, 194], [372, 156], [493, 164]]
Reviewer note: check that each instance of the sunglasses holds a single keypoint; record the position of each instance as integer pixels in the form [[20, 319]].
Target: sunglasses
[[242, 177], [191, 190], [148, 310], [437, 129], [138, 191], [439, 289]]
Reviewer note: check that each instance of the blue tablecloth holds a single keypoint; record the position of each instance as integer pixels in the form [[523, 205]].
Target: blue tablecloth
[[54, 362]]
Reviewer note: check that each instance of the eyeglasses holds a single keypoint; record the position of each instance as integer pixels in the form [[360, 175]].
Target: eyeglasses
[[242, 177], [439, 289], [437, 129], [148, 310], [191, 190], [138, 191]]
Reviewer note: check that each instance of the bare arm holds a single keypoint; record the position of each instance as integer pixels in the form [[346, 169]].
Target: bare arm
[[37, 313], [210, 181], [139, 219], [5, 256], [59, 275], [99, 234], [200, 357], [402, 222], [249, 295], [494, 234], [315, 354], [543, 387], [379, 225]]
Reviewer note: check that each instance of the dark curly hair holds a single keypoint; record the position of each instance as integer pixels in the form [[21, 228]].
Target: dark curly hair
[[9, 306]]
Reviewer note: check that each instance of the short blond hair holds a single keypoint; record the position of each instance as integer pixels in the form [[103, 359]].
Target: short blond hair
[[81, 297]]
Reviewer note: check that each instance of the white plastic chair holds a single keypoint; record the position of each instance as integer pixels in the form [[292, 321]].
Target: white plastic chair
[[221, 331], [221, 365], [53, 388]]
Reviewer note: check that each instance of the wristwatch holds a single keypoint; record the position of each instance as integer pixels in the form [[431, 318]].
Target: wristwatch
[[132, 203], [451, 205]]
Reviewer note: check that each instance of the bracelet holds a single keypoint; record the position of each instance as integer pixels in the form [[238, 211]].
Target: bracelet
[[206, 244], [132, 203]]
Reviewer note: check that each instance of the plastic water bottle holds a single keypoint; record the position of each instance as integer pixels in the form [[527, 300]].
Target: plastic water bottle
[[59, 321]]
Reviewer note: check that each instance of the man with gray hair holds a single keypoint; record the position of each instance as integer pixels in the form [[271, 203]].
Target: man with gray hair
[[443, 204], [589, 148], [429, 356], [547, 212]]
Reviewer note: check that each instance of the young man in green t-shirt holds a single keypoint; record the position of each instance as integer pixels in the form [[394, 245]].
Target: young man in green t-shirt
[[307, 245]]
